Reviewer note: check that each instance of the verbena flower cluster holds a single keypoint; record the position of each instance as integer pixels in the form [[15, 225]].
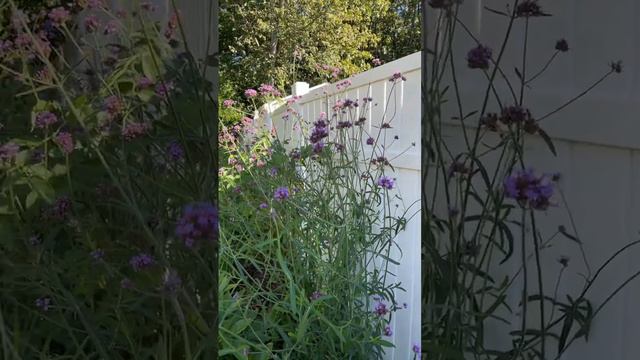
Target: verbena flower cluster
[[199, 221], [529, 190]]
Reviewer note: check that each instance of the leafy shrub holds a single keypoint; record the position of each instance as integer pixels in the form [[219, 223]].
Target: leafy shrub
[[306, 233]]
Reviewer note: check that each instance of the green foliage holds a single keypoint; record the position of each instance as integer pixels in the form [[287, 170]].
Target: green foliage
[[282, 41]]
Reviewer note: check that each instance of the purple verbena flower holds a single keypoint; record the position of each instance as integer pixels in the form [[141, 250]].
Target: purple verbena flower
[[316, 295], [126, 283], [97, 254], [562, 45], [416, 349], [175, 151], [320, 131], [381, 309], [59, 15], [163, 89], [141, 261], [172, 25], [95, 4], [295, 154], [91, 23], [479, 57], [228, 103], [370, 141], [43, 303], [514, 114], [387, 331], [60, 209], [268, 89], [113, 105], [144, 83], [8, 151], [529, 190], [65, 141], [133, 131], [318, 147], [250, 93], [45, 119], [199, 221], [281, 193], [529, 8], [385, 182], [110, 28], [148, 6], [397, 76], [263, 206]]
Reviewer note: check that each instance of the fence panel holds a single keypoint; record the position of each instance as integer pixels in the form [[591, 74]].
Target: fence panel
[[598, 153]]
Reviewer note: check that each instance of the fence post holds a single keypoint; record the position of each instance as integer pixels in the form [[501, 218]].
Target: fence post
[[300, 88]]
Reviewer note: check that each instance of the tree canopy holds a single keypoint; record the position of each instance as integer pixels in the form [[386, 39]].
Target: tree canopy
[[283, 41]]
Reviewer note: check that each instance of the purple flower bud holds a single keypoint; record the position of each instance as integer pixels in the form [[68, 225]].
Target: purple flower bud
[[562, 45], [141, 261], [43, 303], [126, 283], [175, 151], [97, 254]]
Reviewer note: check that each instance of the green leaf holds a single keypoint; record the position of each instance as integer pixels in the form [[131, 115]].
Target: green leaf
[[43, 188], [31, 199], [240, 325], [59, 170]]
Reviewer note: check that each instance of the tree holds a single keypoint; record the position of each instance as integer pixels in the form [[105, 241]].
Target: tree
[[284, 41], [399, 29]]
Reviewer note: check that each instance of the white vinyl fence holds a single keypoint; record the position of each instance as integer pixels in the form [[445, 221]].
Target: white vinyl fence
[[405, 101], [598, 146]]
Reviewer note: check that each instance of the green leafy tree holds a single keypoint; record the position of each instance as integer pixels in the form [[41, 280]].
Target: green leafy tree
[[399, 29], [283, 41]]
